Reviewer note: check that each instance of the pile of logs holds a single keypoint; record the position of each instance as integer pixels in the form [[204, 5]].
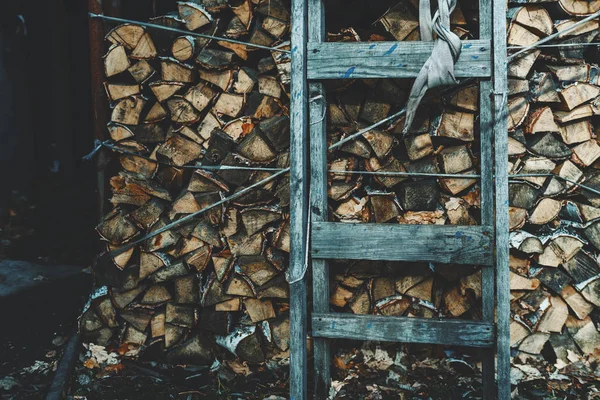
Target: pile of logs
[[554, 103], [216, 284], [554, 106], [444, 139]]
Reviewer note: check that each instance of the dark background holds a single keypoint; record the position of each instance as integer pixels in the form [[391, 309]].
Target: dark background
[[54, 200]]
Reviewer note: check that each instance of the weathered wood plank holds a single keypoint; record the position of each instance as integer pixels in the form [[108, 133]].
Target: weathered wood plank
[[403, 329], [340, 60], [298, 202], [501, 161], [443, 244], [488, 275], [318, 198]]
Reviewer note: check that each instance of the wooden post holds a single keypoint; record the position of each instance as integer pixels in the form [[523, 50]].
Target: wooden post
[[501, 160], [488, 276], [99, 101], [298, 202], [318, 196]]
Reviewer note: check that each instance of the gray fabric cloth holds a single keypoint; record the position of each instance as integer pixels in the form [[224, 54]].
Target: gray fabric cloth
[[438, 70]]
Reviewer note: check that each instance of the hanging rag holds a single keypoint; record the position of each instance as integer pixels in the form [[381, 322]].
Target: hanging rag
[[438, 70]]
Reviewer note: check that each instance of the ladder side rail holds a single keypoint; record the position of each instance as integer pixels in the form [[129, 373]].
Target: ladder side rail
[[488, 275], [298, 202], [501, 185], [318, 198]]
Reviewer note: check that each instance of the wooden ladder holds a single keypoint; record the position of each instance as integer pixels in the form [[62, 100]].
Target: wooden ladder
[[313, 60]]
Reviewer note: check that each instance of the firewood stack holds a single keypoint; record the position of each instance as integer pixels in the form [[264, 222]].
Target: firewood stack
[[554, 103], [217, 284], [197, 290]]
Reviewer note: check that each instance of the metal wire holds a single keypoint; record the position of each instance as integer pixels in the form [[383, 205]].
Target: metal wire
[[389, 118], [553, 36], [588, 188], [108, 144], [558, 45], [409, 174], [184, 32], [193, 215]]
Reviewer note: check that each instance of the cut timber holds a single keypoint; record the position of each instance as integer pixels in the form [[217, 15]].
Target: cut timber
[[587, 337], [576, 132], [545, 211], [518, 107], [533, 17], [586, 153], [541, 120], [185, 48], [516, 218], [572, 73], [182, 111], [119, 91], [518, 35], [577, 94], [229, 104], [200, 96], [554, 317], [548, 145], [194, 15], [222, 79], [116, 61], [543, 88], [164, 90], [520, 66], [580, 7], [127, 111], [145, 48], [591, 292], [127, 34], [457, 125], [180, 150], [455, 159], [119, 132], [583, 111], [518, 282], [175, 71], [259, 310], [215, 59], [518, 86], [400, 20], [384, 207], [141, 71], [580, 306], [116, 228], [534, 343], [254, 147], [418, 146]]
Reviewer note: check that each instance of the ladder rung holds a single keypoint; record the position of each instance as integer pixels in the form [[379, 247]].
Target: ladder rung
[[448, 244], [343, 60], [403, 329]]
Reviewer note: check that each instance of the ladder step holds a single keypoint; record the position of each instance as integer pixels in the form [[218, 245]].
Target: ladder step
[[403, 329], [343, 60], [448, 244]]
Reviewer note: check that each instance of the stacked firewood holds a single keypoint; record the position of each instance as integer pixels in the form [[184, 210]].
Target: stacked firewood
[[444, 139], [216, 283], [554, 101], [553, 120]]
